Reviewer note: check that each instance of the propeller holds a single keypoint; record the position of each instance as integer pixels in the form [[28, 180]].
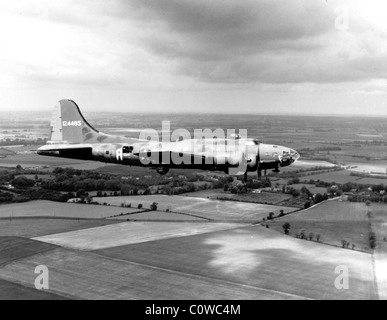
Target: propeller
[[258, 162]]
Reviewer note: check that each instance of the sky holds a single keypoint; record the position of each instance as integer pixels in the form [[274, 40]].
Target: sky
[[219, 56]]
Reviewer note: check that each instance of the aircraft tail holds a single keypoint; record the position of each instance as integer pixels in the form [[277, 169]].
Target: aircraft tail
[[69, 126]]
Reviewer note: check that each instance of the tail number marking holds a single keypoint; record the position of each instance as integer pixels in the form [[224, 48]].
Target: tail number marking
[[72, 123]]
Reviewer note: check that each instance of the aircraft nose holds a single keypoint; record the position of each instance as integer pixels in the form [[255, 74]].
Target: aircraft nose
[[294, 155]]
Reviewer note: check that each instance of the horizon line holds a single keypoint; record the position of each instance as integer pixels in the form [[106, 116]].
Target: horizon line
[[303, 114]]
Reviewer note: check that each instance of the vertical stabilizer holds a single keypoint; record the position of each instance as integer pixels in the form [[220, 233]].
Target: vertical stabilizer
[[69, 126]]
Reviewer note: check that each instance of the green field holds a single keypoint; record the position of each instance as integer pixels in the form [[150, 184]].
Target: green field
[[203, 207], [379, 226], [334, 221], [160, 216], [372, 181], [92, 276], [31, 160], [263, 197], [125, 233], [13, 248], [258, 258], [340, 177], [12, 291], [30, 227], [379, 221], [51, 209]]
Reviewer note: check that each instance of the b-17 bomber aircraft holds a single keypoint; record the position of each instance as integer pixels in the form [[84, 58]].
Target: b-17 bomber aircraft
[[73, 137]]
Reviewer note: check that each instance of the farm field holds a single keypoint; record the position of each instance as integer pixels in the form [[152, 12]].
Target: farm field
[[208, 193], [312, 163], [334, 221], [379, 221], [206, 208], [259, 258], [60, 210], [372, 181], [379, 226], [13, 291], [13, 248], [84, 275], [380, 257], [160, 216], [32, 227], [340, 177], [129, 233], [372, 166], [32, 160], [264, 197]]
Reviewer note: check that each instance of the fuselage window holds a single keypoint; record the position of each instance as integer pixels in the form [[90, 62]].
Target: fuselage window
[[107, 152], [127, 149]]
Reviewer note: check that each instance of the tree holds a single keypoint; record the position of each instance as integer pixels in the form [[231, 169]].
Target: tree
[[286, 228], [22, 182], [307, 204], [318, 237], [343, 243], [81, 193], [311, 236], [234, 190], [282, 213], [319, 198], [305, 190], [372, 239], [271, 216], [139, 206], [153, 206], [295, 180]]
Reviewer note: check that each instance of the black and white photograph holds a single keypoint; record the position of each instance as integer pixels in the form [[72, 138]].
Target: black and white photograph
[[193, 155]]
